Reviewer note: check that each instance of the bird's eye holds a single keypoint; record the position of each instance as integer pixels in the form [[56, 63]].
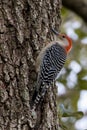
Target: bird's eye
[[63, 36]]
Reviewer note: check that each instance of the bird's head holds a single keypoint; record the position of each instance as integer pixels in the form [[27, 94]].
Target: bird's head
[[64, 41]]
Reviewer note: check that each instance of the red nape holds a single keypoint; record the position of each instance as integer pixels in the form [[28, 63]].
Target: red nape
[[68, 48]]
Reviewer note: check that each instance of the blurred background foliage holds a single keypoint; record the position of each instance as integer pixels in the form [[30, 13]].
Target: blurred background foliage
[[72, 82]]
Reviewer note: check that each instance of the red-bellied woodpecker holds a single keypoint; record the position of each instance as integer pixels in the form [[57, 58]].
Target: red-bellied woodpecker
[[49, 63]]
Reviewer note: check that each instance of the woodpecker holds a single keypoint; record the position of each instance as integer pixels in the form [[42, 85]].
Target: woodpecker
[[49, 63]]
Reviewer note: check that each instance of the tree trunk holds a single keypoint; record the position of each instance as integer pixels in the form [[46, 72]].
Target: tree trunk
[[25, 28]]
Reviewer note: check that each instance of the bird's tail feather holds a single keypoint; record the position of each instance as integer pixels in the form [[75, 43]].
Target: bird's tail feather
[[38, 96]]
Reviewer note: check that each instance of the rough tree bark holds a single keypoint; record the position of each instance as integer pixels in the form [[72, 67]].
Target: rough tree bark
[[24, 29]]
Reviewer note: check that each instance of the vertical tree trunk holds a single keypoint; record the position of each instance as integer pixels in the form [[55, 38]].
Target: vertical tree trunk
[[25, 27]]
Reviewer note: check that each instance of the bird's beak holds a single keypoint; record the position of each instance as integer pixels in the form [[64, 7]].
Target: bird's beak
[[54, 31]]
